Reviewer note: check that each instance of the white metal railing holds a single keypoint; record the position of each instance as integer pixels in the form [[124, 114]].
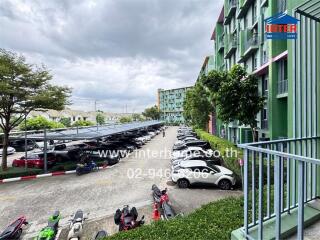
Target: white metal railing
[[279, 176]]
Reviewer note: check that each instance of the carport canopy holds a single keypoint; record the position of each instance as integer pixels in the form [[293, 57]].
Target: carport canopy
[[93, 132]]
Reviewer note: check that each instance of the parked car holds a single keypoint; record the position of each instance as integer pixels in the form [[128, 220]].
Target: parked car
[[34, 161], [101, 154], [19, 145], [186, 139], [62, 152], [190, 151], [200, 172], [194, 143], [10, 150], [208, 159]]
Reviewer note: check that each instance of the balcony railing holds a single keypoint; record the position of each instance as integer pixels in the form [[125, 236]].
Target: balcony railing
[[252, 40], [283, 86], [231, 45], [221, 43], [282, 5], [280, 183], [230, 9]]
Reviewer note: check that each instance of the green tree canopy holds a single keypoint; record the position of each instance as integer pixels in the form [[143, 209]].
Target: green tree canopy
[[23, 88], [40, 122], [137, 117], [152, 113], [100, 118], [65, 121], [125, 119], [82, 123], [197, 106], [236, 96]]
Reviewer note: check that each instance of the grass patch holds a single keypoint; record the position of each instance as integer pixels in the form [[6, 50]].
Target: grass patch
[[222, 145], [19, 172], [215, 220]]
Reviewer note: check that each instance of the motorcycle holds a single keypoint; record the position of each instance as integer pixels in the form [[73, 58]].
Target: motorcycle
[[76, 226], [127, 218], [86, 168], [14, 230], [51, 230], [161, 203], [101, 235]]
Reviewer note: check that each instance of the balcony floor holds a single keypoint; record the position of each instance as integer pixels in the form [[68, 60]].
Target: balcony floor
[[289, 224]]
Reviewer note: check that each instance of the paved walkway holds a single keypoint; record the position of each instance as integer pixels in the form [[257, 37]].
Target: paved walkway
[[101, 193]]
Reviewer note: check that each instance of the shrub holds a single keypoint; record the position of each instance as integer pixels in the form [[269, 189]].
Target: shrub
[[13, 172], [223, 145], [215, 220], [82, 123]]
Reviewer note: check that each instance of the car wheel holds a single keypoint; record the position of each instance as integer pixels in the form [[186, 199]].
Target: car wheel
[[183, 183], [225, 184]]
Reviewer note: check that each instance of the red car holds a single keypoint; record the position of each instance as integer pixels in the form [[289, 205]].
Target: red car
[[34, 161]]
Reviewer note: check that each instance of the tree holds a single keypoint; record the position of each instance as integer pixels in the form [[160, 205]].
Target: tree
[[125, 119], [82, 123], [197, 106], [100, 118], [39, 122], [65, 121], [238, 98], [137, 117], [23, 88], [152, 113]]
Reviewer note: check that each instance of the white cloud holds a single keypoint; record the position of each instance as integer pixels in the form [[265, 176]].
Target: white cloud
[[118, 52]]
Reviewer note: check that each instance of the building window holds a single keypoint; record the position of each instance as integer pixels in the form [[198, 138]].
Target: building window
[[265, 85], [282, 76], [264, 119], [255, 63]]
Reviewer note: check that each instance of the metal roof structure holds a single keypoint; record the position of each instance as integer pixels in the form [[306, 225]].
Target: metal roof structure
[[94, 132], [310, 9]]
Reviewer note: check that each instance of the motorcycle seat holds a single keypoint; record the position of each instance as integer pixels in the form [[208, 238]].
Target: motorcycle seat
[[7, 232]]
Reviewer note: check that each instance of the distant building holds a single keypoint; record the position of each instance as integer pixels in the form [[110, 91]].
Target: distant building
[[76, 115], [170, 104]]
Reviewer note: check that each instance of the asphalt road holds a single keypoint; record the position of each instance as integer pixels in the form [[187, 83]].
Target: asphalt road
[[101, 193]]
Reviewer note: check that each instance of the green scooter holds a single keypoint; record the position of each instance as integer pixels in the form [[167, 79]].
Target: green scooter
[[50, 231]]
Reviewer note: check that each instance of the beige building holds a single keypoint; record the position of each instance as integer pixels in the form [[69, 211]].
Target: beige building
[[76, 115]]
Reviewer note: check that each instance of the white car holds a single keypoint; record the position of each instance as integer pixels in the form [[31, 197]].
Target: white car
[[199, 172], [191, 151], [185, 140], [10, 150]]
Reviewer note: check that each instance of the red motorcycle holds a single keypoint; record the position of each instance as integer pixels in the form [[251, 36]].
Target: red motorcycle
[[14, 230], [161, 204], [127, 218]]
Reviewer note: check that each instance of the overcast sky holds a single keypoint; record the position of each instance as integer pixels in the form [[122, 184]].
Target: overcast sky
[[118, 52]]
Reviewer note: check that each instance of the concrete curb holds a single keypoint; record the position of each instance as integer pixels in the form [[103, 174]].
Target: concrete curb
[[59, 173]]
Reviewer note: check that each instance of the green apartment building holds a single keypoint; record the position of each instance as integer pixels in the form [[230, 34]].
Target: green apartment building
[[239, 39], [170, 104], [281, 180]]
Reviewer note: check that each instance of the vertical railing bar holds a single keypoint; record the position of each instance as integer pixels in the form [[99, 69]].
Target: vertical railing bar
[[294, 176], [288, 179], [314, 173], [246, 194], [301, 201], [253, 191], [281, 180], [277, 204], [268, 183], [305, 170], [260, 228]]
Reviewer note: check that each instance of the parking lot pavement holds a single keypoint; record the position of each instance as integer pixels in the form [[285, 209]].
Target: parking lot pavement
[[97, 193], [101, 193]]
